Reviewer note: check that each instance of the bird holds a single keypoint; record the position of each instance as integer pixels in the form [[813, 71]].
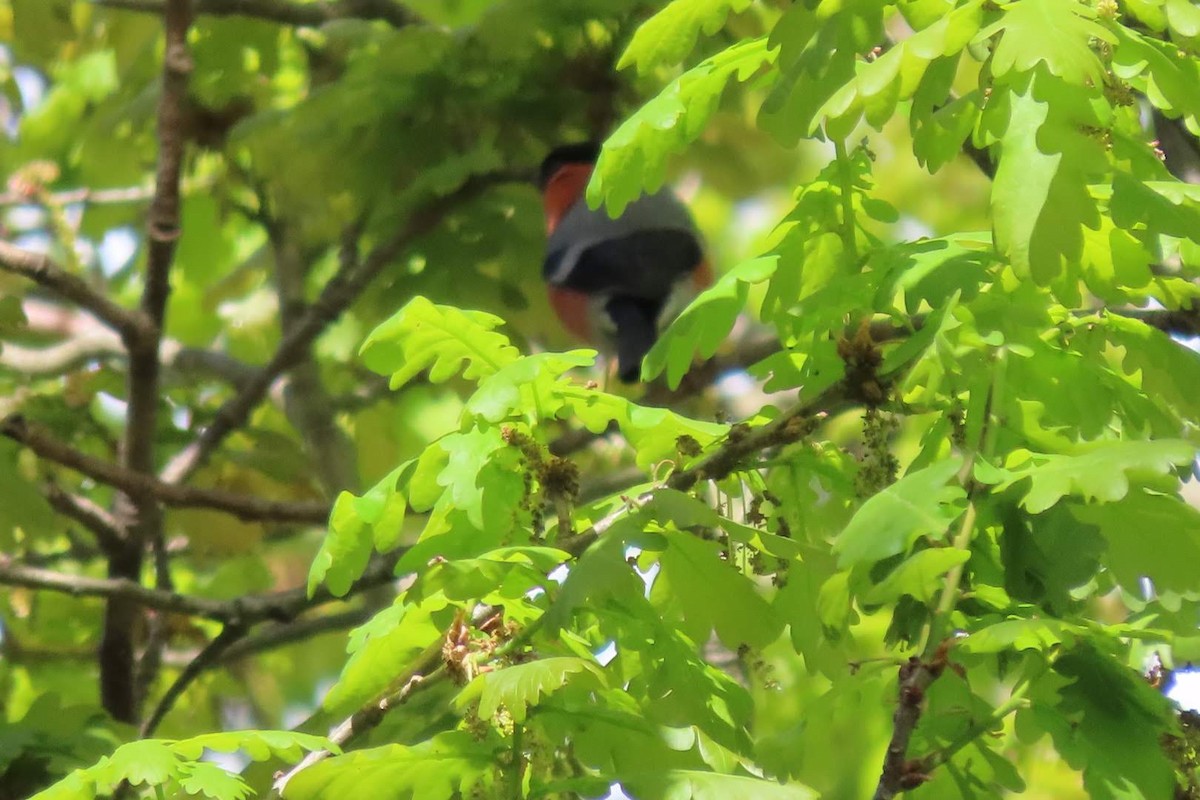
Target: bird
[[616, 282]]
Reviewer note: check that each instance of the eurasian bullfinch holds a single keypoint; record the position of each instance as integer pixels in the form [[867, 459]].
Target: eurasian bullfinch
[[616, 281]]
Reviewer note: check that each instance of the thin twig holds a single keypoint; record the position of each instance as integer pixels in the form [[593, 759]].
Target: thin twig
[[41, 269], [97, 343], [124, 194], [247, 507], [425, 672], [306, 401], [208, 657], [98, 521], [281, 606], [283, 634], [109, 588], [285, 12]]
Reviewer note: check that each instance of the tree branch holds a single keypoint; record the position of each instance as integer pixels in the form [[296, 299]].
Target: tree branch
[[283, 634], [247, 507], [341, 291], [129, 194], [88, 340], [95, 519], [285, 12], [426, 671], [208, 657], [281, 606], [305, 400], [899, 774], [42, 270], [122, 682], [114, 588]]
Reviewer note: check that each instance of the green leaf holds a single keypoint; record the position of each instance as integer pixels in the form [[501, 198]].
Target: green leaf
[[507, 573], [161, 762], [918, 576], [653, 432], [1020, 634], [469, 482], [706, 322], [210, 780], [1040, 196], [12, 315], [1168, 76], [940, 124], [355, 525], [1149, 536], [895, 76], [635, 155], [668, 36], [527, 385], [449, 765], [258, 745], [23, 507], [919, 504], [817, 57], [40, 28], [711, 595], [1101, 472], [423, 335], [916, 344], [1162, 207], [932, 271], [383, 648], [678, 784], [1107, 722], [1164, 369], [520, 686], [1052, 32], [610, 732], [599, 578]]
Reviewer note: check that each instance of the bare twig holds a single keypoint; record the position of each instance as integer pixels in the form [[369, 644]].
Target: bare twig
[[281, 606], [247, 507], [283, 634], [110, 588], [95, 519], [136, 507], [88, 340], [273, 636], [424, 672], [284, 11], [208, 657], [306, 402], [133, 326], [1182, 322], [125, 194]]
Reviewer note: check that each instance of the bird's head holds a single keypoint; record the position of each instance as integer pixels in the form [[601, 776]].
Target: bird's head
[[563, 177]]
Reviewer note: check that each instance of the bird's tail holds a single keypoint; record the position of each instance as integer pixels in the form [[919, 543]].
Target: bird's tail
[[636, 323]]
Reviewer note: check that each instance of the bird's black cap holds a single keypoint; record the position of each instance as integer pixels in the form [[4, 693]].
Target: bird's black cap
[[579, 153]]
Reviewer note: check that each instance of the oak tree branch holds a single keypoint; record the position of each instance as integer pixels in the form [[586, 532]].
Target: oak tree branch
[[41, 269], [246, 507], [285, 11], [282, 606]]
